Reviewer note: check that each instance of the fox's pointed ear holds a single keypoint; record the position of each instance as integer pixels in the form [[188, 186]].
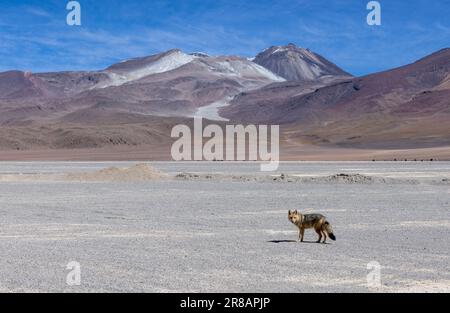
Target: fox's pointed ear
[[289, 212], [295, 212]]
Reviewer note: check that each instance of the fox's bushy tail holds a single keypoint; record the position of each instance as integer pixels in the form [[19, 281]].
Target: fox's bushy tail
[[329, 231]]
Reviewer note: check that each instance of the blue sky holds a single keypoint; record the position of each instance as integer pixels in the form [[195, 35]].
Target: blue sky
[[34, 35]]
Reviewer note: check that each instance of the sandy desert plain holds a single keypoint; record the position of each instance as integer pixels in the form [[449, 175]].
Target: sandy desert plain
[[223, 227]]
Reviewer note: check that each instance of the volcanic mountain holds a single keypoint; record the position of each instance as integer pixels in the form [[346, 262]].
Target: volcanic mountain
[[298, 64]]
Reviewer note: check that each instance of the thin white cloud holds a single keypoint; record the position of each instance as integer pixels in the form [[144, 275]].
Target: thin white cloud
[[37, 11]]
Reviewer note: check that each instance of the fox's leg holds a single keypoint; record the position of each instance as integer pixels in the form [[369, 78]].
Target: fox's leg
[[302, 233], [299, 234], [320, 235], [324, 236]]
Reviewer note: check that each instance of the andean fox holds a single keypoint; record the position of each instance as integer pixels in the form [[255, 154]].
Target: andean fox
[[317, 221]]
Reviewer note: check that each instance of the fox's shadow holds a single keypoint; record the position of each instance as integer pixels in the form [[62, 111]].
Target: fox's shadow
[[281, 241], [295, 241]]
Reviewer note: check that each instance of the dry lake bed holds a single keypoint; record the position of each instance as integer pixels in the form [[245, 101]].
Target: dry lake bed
[[224, 228]]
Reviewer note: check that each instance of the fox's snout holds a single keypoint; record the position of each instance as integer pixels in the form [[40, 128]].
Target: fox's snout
[[329, 231]]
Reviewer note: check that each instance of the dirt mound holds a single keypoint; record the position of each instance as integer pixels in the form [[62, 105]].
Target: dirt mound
[[337, 178], [350, 179], [333, 179], [138, 172]]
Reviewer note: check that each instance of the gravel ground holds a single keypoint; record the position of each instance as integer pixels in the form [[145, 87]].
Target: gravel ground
[[224, 236]]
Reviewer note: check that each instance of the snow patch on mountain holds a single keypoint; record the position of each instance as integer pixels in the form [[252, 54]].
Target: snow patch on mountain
[[279, 49], [165, 64], [246, 69], [265, 72], [211, 111]]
